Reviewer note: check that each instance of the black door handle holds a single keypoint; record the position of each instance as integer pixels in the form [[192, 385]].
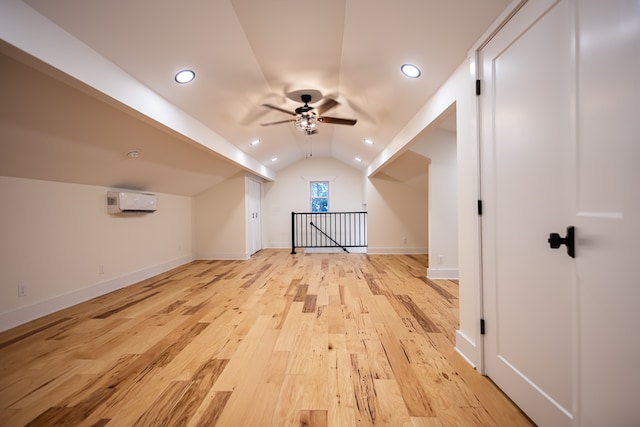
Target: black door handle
[[555, 241]]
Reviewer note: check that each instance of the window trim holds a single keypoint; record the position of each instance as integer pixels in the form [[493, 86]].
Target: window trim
[[309, 180]]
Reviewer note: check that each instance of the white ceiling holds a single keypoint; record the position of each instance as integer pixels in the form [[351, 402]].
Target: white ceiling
[[245, 53]]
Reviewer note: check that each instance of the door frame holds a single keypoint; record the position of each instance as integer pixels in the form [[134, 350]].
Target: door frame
[[476, 74]]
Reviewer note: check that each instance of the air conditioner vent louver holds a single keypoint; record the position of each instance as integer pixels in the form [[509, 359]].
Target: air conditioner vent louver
[[135, 211], [131, 203]]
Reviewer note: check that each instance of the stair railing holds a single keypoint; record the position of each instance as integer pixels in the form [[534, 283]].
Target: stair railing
[[328, 230]]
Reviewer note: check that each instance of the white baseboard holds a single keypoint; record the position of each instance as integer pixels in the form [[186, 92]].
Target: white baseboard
[[333, 250], [443, 273], [321, 250], [31, 312], [467, 349], [224, 256], [402, 250], [278, 245]]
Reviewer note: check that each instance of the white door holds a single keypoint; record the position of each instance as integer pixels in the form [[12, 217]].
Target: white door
[[254, 238], [528, 192]]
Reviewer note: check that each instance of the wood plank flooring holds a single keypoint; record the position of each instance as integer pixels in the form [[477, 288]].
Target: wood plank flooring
[[279, 340]]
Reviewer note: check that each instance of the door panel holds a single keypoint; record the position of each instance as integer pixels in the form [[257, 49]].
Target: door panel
[[528, 189]]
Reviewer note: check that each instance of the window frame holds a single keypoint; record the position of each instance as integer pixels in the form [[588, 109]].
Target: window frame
[[310, 197]]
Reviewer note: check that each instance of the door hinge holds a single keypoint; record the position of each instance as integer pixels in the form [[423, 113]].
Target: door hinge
[[479, 207], [477, 87], [481, 326]]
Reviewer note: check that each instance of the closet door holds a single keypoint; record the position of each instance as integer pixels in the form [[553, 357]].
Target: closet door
[[528, 190], [254, 229]]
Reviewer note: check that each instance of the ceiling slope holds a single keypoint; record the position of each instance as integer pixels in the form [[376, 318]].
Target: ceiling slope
[[247, 52]]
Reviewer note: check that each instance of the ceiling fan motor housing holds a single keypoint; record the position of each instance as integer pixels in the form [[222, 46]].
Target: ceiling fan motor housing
[[305, 108]]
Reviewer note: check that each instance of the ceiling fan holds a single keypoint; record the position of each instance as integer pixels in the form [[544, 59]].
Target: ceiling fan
[[307, 118]]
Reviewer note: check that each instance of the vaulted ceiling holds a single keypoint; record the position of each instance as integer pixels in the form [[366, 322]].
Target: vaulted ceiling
[[60, 117]]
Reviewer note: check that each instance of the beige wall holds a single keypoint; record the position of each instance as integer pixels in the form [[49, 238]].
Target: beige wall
[[59, 241], [290, 194], [440, 147], [220, 221], [398, 206]]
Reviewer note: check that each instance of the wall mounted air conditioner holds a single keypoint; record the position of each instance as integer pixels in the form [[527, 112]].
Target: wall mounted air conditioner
[[123, 202]]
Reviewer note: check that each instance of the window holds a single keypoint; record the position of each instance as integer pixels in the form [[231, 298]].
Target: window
[[319, 191]]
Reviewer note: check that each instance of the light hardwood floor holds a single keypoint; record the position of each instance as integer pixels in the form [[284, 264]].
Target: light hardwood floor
[[279, 340]]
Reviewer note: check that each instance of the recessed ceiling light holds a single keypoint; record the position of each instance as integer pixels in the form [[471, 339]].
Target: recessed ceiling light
[[358, 159], [410, 70], [255, 142], [275, 159], [185, 76], [133, 154], [368, 141]]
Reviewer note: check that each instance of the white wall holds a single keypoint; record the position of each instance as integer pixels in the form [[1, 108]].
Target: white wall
[[290, 193], [220, 220], [608, 212], [59, 241], [440, 146]]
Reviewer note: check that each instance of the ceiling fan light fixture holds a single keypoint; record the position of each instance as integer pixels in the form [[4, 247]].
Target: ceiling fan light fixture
[[410, 71], [185, 76], [306, 123]]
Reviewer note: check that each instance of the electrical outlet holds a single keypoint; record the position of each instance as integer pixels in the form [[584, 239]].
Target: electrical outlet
[[440, 259], [404, 240], [101, 269], [22, 291]]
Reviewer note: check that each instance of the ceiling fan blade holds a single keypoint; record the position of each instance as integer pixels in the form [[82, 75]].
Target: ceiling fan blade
[[326, 106], [277, 123], [282, 110], [337, 121]]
